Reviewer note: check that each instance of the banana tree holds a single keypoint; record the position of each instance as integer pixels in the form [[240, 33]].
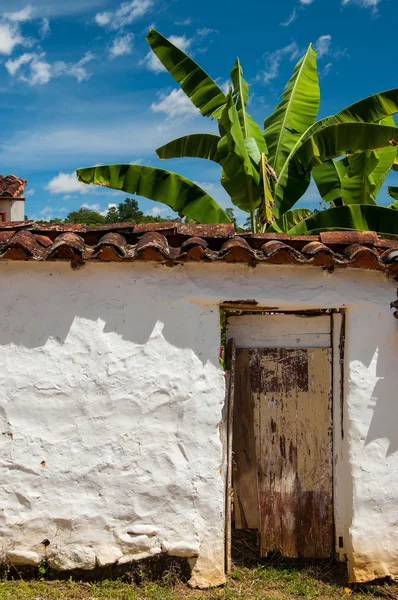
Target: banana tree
[[265, 171]]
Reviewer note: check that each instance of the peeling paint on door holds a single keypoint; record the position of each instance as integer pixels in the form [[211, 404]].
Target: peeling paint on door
[[292, 423]]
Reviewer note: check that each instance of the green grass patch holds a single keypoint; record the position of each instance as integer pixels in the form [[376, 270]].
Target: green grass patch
[[261, 582]]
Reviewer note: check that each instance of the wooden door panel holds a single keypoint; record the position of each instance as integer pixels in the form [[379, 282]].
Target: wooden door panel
[[283, 425], [245, 481]]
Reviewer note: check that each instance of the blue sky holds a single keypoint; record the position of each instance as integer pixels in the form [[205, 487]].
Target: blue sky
[[79, 87]]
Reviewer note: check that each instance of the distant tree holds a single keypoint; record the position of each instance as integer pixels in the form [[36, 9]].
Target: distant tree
[[129, 211], [85, 216], [112, 216]]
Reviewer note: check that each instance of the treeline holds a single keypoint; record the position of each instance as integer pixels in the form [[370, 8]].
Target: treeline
[[125, 212]]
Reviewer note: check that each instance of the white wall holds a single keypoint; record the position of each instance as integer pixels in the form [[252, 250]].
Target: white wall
[[14, 209], [111, 399]]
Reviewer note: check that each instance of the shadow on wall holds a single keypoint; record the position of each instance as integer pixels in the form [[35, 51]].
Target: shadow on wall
[[36, 307], [379, 352]]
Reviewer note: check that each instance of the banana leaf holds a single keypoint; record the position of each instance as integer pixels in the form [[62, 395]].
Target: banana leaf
[[288, 220], [296, 112], [250, 129], [328, 177], [372, 109], [327, 143], [240, 177], [367, 172], [292, 184], [203, 92], [180, 194], [362, 217], [393, 192], [198, 145]]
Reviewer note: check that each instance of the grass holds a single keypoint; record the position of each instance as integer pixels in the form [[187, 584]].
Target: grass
[[279, 581]]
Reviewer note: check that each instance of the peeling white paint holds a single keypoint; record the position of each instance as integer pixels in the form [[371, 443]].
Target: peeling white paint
[[111, 398]]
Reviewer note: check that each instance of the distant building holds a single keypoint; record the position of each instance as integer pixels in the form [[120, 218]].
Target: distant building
[[12, 201]]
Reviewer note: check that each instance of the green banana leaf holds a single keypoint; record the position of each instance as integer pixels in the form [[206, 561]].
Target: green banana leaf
[[197, 145], [367, 172], [292, 185], [288, 220], [203, 92], [328, 177], [393, 192], [330, 142], [240, 177], [372, 109], [180, 194], [362, 217], [250, 129], [296, 112]]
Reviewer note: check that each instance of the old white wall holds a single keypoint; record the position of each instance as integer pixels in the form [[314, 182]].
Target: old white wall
[[14, 209], [111, 399]]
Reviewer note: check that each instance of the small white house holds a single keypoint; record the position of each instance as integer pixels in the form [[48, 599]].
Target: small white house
[[123, 438], [12, 201]]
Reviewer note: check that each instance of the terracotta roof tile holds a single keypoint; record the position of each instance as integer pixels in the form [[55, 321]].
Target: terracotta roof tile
[[177, 243], [321, 255], [349, 237], [112, 246], [67, 246], [11, 186], [152, 246], [221, 230], [362, 257], [279, 253]]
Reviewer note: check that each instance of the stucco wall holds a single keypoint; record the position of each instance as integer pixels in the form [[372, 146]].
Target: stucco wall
[[111, 402], [14, 209]]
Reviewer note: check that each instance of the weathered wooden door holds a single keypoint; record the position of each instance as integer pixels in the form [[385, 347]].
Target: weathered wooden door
[[282, 449]]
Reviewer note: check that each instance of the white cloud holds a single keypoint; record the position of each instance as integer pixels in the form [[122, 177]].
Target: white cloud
[[91, 206], [77, 70], [41, 71], [184, 23], [156, 211], [323, 45], [20, 16], [30, 192], [306, 1], [124, 15], [65, 183], [176, 104], [152, 62], [104, 212], [273, 61], [326, 70], [48, 213], [121, 45], [205, 31], [10, 37], [13, 66], [44, 29], [291, 19], [372, 4]]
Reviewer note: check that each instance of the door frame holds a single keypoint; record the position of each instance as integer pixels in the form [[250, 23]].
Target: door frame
[[339, 454]]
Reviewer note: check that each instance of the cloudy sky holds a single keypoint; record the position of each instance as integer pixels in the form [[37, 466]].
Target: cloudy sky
[[80, 87]]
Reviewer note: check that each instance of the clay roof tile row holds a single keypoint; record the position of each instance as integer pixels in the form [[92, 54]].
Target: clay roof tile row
[[174, 243]]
